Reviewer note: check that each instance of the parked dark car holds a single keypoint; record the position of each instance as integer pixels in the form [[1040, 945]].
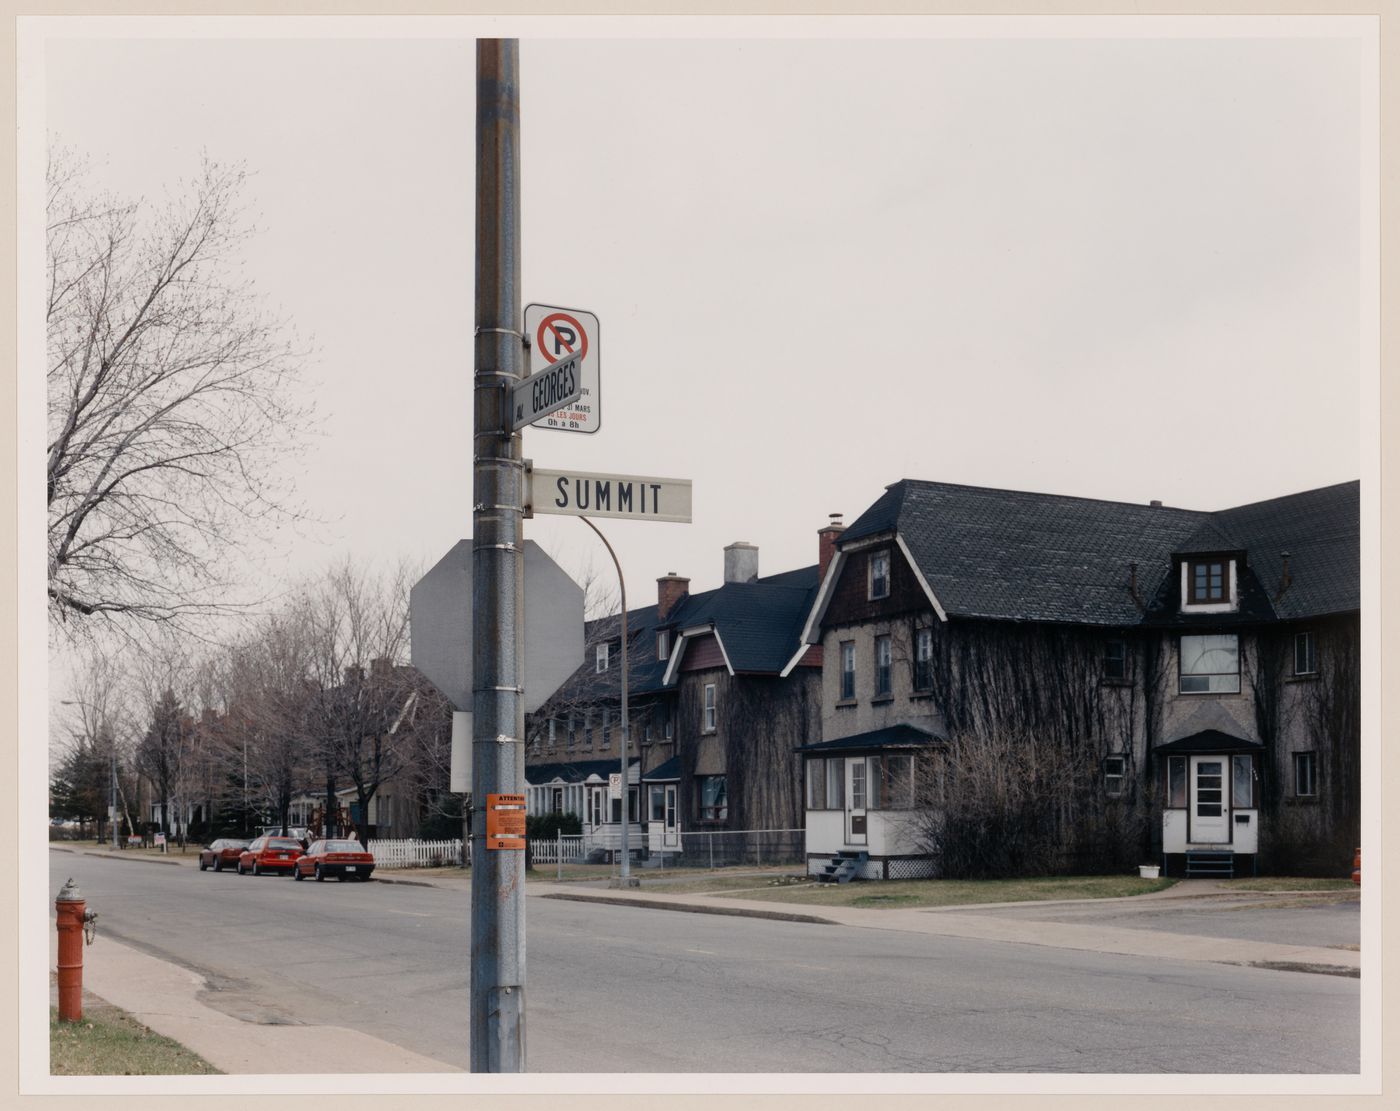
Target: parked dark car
[[223, 853], [269, 854], [342, 859]]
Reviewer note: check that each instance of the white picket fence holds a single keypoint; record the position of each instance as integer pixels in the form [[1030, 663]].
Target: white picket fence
[[569, 846], [435, 854], [416, 854]]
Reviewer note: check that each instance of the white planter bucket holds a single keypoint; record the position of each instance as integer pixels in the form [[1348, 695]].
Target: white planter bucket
[[1149, 871]]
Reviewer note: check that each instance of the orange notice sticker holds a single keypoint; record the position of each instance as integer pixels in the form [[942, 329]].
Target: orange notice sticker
[[505, 821]]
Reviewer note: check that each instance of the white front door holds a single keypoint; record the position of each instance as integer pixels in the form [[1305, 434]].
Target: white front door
[[857, 789], [1210, 800], [670, 829]]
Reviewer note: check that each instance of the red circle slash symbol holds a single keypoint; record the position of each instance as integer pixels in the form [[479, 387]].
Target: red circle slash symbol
[[559, 334]]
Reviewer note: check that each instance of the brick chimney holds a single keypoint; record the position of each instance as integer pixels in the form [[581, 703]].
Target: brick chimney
[[381, 667], [670, 589], [741, 562], [826, 544]]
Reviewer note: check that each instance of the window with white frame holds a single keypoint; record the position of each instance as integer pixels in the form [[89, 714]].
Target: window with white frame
[[1114, 770], [848, 670], [707, 724], [1305, 654], [663, 644], [1208, 584], [899, 782], [602, 657], [1242, 782], [1210, 664], [1207, 581], [923, 659], [1176, 782], [1305, 774], [835, 784], [816, 784], [882, 666], [879, 575], [551, 732]]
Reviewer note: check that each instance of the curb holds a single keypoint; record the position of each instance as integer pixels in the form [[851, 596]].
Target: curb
[[693, 908], [119, 856]]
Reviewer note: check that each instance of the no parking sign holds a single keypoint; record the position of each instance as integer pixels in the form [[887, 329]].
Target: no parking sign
[[555, 332]]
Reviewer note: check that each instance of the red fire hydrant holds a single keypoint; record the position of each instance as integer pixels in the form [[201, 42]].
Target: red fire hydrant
[[74, 919]]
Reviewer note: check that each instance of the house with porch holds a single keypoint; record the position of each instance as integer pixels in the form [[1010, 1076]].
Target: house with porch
[[1191, 677], [712, 718]]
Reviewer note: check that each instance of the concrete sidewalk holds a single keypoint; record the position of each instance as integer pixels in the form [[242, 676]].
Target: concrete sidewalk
[[166, 997]]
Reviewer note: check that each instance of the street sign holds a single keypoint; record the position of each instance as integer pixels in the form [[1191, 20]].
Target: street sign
[[630, 497], [555, 333], [615, 785], [440, 623], [558, 385]]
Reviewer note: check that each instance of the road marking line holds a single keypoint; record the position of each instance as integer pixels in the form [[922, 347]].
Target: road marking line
[[707, 952]]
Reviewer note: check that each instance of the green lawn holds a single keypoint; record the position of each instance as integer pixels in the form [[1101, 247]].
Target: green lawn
[[943, 893], [109, 1042], [1284, 883]]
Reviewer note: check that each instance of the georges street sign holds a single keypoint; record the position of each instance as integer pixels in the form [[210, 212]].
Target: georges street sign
[[630, 497], [558, 385]]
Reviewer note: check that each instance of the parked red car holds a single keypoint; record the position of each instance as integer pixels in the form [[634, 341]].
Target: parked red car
[[343, 859], [269, 854], [223, 853]]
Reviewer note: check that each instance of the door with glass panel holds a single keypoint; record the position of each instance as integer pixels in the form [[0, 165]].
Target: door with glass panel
[[1210, 800], [857, 799], [670, 827]]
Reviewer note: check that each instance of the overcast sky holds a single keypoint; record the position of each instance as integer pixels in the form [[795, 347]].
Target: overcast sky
[[1116, 267]]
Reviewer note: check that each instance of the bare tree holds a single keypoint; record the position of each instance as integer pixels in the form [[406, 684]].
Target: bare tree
[[361, 702], [168, 398]]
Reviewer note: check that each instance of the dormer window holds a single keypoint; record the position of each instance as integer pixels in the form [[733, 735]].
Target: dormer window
[[879, 575], [663, 644], [1207, 581], [1209, 584]]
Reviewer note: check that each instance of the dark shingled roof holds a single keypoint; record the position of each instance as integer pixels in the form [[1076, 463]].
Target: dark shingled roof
[[1209, 740], [759, 622], [1321, 532], [1016, 556], [894, 736], [577, 772], [664, 772]]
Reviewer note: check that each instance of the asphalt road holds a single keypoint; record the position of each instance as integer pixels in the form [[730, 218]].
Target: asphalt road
[[626, 989]]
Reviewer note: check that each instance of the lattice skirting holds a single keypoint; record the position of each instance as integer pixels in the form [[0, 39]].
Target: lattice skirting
[[882, 867]]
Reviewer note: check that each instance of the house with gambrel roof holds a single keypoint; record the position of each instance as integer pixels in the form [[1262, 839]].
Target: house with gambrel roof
[[715, 714], [1198, 672]]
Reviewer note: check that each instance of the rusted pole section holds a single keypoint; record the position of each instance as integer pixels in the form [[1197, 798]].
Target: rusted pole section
[[498, 709]]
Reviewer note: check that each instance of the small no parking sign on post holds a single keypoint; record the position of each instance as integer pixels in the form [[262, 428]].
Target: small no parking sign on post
[[556, 333]]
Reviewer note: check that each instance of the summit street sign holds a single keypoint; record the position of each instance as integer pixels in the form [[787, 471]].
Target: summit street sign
[[630, 497]]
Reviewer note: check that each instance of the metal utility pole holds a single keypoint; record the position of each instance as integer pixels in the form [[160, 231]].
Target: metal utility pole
[[625, 872], [116, 844], [498, 707]]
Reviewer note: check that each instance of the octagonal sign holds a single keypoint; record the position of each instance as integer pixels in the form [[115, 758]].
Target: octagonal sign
[[440, 615]]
